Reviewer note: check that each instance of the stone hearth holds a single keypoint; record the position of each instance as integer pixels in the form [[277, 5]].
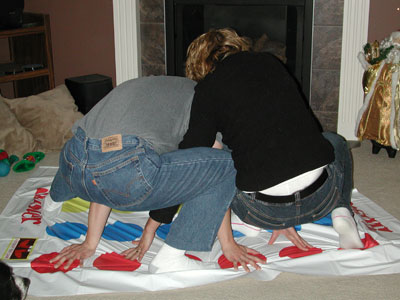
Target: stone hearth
[[327, 44]]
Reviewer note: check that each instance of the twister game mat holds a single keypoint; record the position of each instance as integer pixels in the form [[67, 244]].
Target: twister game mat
[[28, 240]]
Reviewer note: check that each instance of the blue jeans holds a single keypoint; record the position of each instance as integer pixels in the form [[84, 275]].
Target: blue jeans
[[136, 178], [334, 192]]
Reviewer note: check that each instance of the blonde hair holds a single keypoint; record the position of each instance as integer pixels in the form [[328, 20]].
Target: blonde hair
[[211, 47]]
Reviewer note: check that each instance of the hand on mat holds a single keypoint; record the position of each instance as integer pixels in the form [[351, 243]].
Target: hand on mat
[[71, 253], [292, 235], [142, 246], [239, 254], [144, 243]]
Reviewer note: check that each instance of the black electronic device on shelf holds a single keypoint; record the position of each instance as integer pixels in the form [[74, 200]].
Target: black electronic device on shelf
[[11, 13], [30, 65]]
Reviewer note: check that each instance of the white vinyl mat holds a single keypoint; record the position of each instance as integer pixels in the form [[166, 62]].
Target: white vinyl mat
[[28, 241]]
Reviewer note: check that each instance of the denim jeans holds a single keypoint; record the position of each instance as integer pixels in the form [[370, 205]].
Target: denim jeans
[[335, 192], [136, 178]]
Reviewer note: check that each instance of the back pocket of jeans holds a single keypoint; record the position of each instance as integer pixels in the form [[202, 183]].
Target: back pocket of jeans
[[263, 222], [123, 184], [327, 205], [261, 215]]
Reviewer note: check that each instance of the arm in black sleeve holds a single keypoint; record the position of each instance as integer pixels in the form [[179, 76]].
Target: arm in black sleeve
[[202, 129], [164, 215]]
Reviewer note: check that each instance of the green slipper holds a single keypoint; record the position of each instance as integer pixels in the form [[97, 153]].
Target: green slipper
[[37, 156], [28, 162]]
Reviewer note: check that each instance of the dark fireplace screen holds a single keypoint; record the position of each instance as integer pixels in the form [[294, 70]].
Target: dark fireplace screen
[[281, 27]]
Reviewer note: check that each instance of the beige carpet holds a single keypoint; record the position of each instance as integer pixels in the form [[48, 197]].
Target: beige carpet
[[375, 176]]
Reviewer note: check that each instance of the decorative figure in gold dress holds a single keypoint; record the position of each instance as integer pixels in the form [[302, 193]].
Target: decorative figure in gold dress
[[379, 119]]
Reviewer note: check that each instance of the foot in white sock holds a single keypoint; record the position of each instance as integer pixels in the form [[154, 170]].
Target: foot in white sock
[[246, 229], [170, 259], [346, 227], [50, 208]]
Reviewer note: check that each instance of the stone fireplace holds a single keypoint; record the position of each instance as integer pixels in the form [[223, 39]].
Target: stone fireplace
[[325, 59]]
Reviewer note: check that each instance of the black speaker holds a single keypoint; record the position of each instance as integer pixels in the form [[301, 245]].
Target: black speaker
[[87, 90]]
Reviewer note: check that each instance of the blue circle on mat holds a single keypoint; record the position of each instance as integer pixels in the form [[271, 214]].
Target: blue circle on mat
[[122, 232], [326, 221], [163, 231], [118, 231], [237, 234], [67, 231]]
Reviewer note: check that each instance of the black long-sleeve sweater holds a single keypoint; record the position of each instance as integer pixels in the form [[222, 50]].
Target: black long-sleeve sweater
[[257, 106]]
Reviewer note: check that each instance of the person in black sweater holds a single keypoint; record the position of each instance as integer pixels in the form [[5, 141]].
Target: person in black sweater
[[288, 171]]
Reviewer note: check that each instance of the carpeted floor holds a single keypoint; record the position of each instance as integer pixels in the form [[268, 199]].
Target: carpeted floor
[[375, 176]]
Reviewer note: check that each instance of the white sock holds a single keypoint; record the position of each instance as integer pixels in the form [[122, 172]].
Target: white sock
[[346, 227], [170, 259], [246, 229], [50, 208]]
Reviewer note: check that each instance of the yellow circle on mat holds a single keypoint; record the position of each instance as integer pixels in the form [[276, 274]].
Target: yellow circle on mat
[[77, 205]]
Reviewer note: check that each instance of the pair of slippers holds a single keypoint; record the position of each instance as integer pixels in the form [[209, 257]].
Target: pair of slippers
[[28, 162]]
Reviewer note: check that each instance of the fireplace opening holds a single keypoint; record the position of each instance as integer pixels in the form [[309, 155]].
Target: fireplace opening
[[281, 27]]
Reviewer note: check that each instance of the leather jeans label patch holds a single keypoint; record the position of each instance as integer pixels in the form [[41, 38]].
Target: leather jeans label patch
[[111, 143]]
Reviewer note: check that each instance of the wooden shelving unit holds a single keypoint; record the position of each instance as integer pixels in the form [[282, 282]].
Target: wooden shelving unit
[[30, 44]]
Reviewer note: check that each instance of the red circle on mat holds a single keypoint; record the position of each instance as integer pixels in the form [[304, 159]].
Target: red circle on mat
[[193, 257], [294, 252], [368, 242], [42, 264], [224, 263], [115, 262]]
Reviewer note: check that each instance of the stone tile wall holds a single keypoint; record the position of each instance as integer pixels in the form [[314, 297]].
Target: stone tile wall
[[152, 37], [327, 47], [327, 44]]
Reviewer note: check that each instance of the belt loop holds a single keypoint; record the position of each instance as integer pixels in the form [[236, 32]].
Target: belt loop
[[297, 198], [297, 203]]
